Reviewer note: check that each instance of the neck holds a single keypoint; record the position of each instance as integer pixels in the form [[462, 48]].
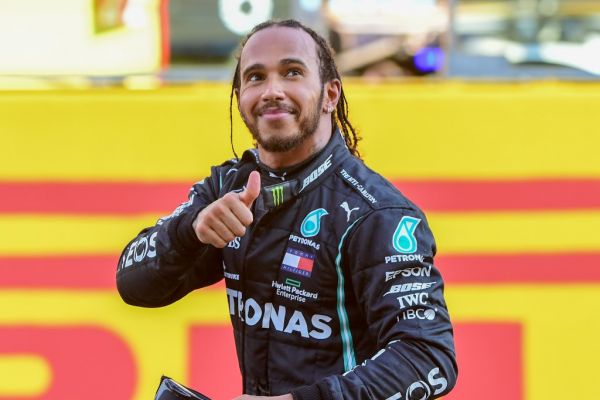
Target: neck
[[303, 151]]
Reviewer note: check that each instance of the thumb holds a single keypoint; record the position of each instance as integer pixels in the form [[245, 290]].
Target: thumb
[[252, 189]]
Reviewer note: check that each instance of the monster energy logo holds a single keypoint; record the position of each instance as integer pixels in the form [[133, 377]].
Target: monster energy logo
[[277, 193]]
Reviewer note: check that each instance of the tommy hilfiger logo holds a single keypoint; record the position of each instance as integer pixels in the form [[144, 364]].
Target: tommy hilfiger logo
[[298, 262]]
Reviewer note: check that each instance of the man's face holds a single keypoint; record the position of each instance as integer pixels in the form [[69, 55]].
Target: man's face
[[280, 96]]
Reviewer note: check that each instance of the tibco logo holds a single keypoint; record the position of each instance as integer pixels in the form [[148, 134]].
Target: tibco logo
[[419, 313], [268, 316], [408, 303], [140, 249]]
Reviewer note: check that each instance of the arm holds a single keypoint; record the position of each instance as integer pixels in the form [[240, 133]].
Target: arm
[[165, 262], [182, 251], [402, 301]]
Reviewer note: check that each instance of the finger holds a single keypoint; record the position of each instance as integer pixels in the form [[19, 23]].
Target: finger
[[242, 213], [209, 236], [252, 189], [222, 230], [235, 208], [233, 223]]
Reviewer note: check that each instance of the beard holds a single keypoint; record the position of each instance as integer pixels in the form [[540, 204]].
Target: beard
[[307, 126]]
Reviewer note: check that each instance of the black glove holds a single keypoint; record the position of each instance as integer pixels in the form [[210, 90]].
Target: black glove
[[171, 390]]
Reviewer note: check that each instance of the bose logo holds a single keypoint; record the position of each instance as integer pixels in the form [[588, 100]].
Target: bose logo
[[410, 287], [317, 172]]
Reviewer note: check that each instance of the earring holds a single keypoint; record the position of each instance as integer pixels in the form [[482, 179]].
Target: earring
[[329, 109]]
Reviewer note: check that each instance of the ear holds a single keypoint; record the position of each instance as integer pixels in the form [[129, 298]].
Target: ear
[[333, 89]]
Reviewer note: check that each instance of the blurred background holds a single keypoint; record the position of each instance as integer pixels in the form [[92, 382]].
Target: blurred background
[[485, 113]]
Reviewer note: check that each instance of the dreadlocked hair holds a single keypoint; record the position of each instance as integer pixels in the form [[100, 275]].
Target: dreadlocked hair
[[327, 72]]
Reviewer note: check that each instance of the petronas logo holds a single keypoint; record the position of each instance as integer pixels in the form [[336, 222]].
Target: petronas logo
[[277, 193], [311, 225], [404, 240]]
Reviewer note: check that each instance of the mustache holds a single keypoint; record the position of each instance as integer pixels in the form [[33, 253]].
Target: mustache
[[277, 105]]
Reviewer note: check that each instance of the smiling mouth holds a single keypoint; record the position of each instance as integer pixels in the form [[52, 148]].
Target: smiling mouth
[[274, 110], [274, 114]]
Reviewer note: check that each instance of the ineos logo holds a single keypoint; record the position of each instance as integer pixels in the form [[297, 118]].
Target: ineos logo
[[140, 249], [235, 243], [418, 388]]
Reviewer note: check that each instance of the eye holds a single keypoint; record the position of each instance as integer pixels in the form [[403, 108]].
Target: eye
[[253, 77], [293, 72]]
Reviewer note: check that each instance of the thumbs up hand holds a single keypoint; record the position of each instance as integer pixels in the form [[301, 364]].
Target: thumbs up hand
[[252, 189], [228, 217]]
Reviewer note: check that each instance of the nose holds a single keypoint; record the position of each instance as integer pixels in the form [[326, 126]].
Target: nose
[[273, 89]]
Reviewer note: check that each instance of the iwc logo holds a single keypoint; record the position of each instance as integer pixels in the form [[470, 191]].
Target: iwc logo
[[311, 225]]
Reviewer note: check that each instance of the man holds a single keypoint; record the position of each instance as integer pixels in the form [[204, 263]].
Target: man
[[329, 270]]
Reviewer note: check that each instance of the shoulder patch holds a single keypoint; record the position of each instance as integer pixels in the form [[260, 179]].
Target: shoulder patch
[[404, 240], [357, 185]]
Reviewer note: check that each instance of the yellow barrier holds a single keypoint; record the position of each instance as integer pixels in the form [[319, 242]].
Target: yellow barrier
[[558, 359], [498, 232], [458, 130], [412, 131]]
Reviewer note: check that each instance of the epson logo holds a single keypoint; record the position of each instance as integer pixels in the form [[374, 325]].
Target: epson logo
[[408, 272], [410, 287], [277, 317], [140, 249], [317, 172]]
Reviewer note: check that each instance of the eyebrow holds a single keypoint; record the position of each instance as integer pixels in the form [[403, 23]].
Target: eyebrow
[[252, 67], [285, 61]]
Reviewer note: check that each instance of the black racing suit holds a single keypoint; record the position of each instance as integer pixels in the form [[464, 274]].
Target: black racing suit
[[332, 292]]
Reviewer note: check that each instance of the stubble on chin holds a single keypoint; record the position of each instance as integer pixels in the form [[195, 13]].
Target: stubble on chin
[[276, 143]]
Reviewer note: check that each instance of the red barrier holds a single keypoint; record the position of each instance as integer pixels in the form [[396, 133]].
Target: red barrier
[[213, 367], [490, 361], [490, 357], [86, 362]]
